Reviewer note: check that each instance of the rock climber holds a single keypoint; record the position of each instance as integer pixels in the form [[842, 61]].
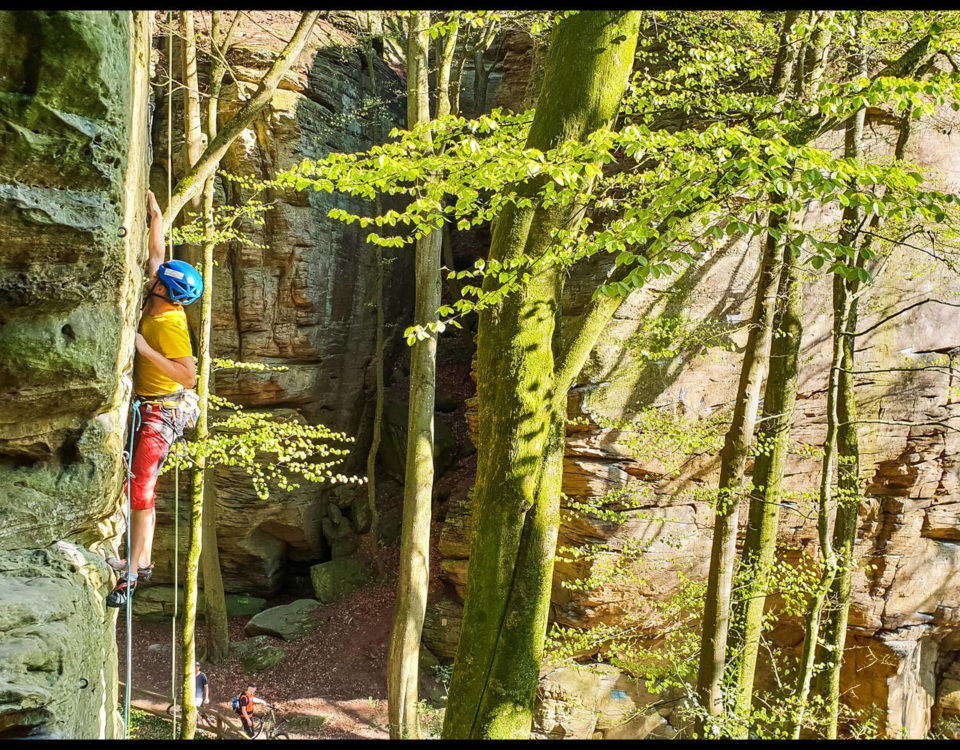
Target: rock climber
[[163, 367], [245, 703]]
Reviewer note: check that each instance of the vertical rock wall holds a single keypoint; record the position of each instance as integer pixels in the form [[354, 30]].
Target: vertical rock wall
[[73, 141], [302, 298]]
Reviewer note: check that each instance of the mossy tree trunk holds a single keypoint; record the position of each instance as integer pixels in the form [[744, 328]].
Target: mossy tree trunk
[[201, 494], [191, 587], [403, 660], [733, 457], [846, 295], [521, 414], [759, 546], [733, 460], [194, 147]]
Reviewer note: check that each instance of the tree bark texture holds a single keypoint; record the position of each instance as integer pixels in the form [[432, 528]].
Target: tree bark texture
[[191, 97], [191, 588], [413, 581], [733, 459], [521, 424], [759, 546]]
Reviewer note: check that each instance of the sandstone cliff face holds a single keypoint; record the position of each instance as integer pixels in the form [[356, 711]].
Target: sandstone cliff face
[[73, 142], [903, 638], [304, 301]]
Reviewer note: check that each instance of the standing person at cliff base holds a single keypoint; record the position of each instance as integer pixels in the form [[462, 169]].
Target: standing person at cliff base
[[163, 367]]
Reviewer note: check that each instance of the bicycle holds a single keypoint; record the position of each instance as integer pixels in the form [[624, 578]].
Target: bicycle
[[204, 719], [269, 725]]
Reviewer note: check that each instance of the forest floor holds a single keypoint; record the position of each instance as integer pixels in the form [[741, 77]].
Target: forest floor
[[337, 675]]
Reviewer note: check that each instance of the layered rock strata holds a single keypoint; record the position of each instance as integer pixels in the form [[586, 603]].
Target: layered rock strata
[[301, 296], [74, 132]]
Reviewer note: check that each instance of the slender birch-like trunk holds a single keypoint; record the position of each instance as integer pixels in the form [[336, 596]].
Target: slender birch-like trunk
[[733, 460], [378, 355], [215, 610], [206, 166], [759, 546], [402, 666]]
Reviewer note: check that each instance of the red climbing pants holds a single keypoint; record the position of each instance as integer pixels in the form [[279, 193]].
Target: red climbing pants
[[150, 447]]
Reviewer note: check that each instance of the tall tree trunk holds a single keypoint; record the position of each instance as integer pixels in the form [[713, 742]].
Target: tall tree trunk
[[786, 56], [733, 459], [717, 604], [402, 668], [846, 296], [194, 147], [815, 606], [378, 355], [218, 634], [188, 644], [759, 546], [521, 414], [481, 74], [191, 97]]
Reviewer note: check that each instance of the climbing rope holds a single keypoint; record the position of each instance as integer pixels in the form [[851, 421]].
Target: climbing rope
[[176, 485], [134, 426]]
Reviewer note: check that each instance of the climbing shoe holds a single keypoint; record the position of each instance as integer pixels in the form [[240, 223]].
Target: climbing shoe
[[120, 565], [144, 574], [121, 592]]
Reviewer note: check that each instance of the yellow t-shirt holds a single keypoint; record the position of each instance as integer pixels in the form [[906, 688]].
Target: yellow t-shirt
[[169, 335]]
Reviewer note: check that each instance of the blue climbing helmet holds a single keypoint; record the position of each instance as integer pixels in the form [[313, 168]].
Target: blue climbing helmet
[[183, 281]]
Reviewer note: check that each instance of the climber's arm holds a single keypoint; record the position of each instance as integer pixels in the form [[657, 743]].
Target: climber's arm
[[182, 370], [155, 257]]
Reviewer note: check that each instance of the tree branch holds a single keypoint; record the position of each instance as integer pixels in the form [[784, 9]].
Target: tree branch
[[900, 312], [192, 182]]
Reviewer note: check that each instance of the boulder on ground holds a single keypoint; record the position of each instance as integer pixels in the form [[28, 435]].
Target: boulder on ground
[[258, 654], [241, 604], [288, 621], [335, 579]]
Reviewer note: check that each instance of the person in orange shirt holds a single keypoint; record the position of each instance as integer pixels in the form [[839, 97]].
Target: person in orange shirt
[[163, 367]]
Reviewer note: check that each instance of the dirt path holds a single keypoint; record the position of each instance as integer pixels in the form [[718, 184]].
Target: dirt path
[[338, 672]]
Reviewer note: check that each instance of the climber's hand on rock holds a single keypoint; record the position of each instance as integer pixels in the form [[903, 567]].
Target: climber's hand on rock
[[142, 346], [153, 205]]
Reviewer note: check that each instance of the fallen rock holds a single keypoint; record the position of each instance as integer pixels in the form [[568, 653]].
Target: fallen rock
[[288, 621], [258, 654], [307, 722], [441, 627], [335, 579], [241, 604], [596, 701]]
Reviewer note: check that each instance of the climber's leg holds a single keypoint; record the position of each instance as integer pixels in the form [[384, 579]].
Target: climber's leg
[[150, 448], [143, 524]]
